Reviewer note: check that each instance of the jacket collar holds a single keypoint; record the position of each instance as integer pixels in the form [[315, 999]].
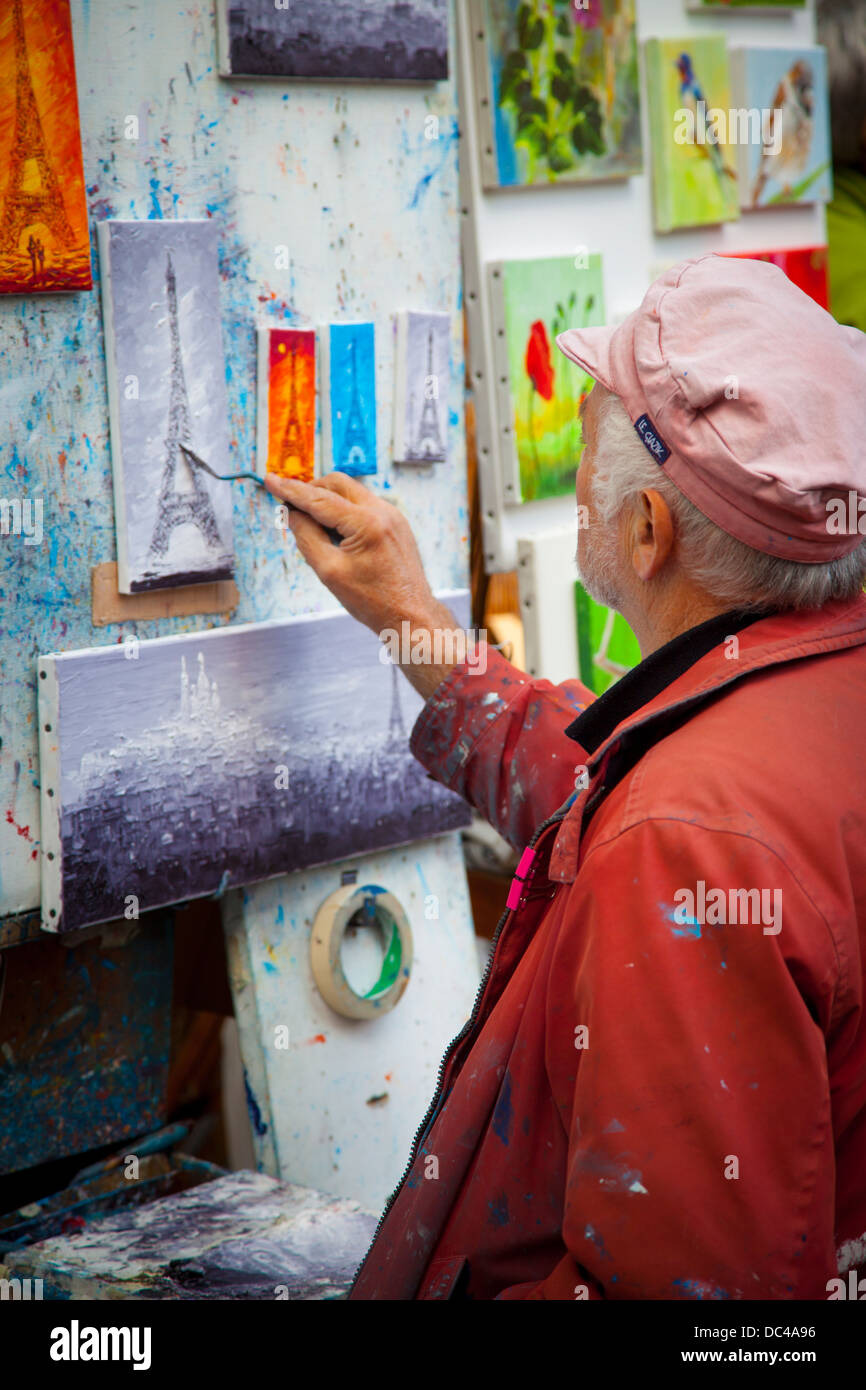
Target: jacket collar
[[654, 674], [765, 643]]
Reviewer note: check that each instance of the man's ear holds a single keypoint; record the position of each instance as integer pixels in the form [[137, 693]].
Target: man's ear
[[652, 534]]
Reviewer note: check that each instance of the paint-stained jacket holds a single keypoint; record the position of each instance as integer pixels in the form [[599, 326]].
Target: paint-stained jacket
[[643, 1106]]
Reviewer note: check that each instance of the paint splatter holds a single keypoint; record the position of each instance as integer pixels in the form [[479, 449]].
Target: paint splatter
[[503, 1115], [682, 926]]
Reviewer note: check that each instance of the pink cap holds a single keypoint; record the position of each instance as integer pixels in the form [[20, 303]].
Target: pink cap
[[749, 395]]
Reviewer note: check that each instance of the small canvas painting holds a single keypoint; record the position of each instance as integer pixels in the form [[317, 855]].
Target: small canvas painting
[[287, 402], [806, 266], [422, 356], [540, 390], [790, 162], [557, 91], [756, 6], [44, 237], [348, 375], [694, 163], [218, 758], [606, 645], [339, 40], [166, 390]]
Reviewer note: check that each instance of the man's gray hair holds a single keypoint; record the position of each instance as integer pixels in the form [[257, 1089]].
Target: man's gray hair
[[726, 568]]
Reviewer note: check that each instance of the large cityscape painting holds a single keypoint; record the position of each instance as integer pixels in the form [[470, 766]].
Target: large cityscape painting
[[179, 767]]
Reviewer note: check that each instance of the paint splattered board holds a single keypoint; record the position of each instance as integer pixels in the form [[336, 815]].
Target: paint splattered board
[[308, 232], [243, 1236], [335, 1101]]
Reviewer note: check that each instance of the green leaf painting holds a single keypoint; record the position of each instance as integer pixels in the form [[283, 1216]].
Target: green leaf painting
[[564, 79]]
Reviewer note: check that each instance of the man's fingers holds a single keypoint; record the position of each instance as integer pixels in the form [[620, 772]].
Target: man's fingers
[[314, 545], [346, 486], [327, 507]]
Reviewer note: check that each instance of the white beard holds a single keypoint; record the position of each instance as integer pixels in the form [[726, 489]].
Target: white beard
[[600, 572]]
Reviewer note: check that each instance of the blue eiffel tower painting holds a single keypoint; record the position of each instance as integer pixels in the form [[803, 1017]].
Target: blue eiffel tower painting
[[349, 361]]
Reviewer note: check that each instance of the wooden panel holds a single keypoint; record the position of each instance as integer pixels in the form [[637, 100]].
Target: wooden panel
[[84, 1044], [109, 606], [309, 231]]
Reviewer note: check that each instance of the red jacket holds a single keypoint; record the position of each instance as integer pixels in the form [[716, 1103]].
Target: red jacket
[[649, 1101]]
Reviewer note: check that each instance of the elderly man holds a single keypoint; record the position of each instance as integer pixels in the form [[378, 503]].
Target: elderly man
[[661, 1091]]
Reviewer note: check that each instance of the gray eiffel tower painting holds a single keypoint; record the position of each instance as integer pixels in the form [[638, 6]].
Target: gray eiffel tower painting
[[166, 378], [183, 496], [421, 387]]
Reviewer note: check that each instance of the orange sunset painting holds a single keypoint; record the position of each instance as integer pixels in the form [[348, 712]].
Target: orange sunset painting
[[44, 239]]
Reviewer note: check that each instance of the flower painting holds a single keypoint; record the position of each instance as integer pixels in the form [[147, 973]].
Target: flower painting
[[559, 99], [541, 390]]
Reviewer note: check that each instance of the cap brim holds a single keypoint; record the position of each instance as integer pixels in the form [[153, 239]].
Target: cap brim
[[590, 348]]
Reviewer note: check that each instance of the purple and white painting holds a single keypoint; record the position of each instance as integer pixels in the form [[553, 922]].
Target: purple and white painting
[[421, 382], [166, 389], [379, 40], [173, 768]]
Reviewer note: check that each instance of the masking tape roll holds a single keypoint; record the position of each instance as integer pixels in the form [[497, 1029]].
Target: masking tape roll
[[329, 927]]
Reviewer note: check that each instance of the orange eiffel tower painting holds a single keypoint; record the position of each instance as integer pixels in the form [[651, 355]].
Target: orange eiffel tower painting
[[44, 238], [287, 402]]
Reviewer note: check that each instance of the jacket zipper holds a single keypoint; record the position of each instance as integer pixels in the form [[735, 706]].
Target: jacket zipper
[[449, 1051]]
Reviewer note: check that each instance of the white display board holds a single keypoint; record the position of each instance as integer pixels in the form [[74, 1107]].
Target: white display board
[[613, 218]]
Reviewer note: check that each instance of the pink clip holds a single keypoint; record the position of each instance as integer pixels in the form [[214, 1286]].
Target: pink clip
[[519, 879]]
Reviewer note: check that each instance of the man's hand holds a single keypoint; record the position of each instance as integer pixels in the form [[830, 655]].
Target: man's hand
[[376, 572]]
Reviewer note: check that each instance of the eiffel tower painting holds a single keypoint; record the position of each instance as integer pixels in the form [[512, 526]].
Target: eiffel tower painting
[[428, 441], [166, 390], [354, 452], [44, 241], [421, 386], [397, 736], [349, 405], [287, 402], [184, 496], [289, 456]]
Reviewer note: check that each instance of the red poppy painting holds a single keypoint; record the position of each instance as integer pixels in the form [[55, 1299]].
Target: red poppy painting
[[533, 301]]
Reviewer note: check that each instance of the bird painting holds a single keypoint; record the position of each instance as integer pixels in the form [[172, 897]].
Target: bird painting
[[692, 99], [785, 154]]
